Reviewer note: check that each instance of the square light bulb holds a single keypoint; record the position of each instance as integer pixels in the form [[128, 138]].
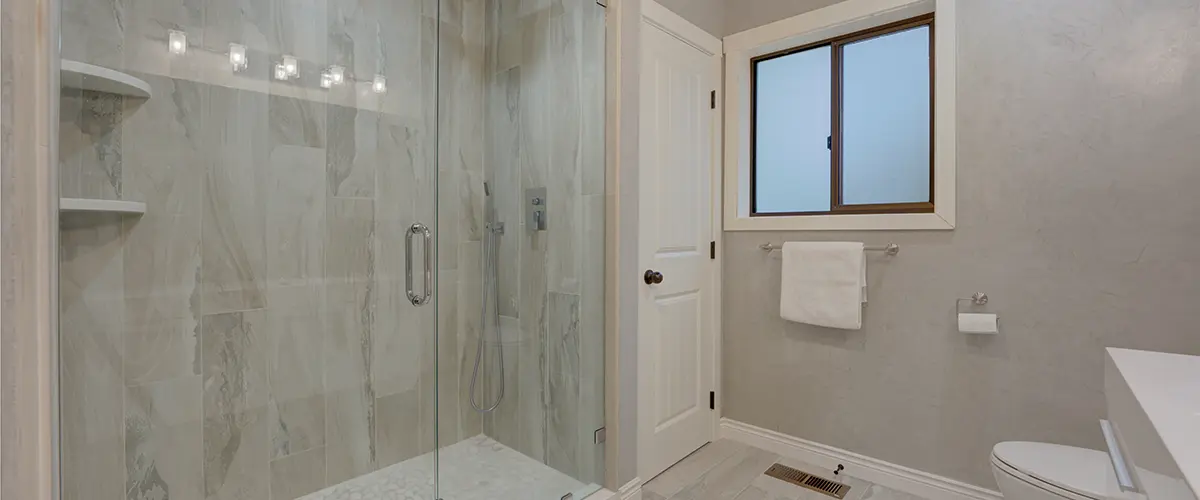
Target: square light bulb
[[379, 84], [237, 56], [281, 72], [326, 80], [289, 65], [337, 74], [177, 42]]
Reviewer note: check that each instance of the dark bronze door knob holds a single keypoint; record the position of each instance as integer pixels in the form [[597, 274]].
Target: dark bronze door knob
[[653, 277]]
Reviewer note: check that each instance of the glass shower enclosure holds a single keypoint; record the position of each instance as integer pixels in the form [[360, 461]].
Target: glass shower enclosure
[[331, 249]]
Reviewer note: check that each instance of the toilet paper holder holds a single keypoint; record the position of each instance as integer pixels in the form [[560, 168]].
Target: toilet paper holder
[[978, 299]]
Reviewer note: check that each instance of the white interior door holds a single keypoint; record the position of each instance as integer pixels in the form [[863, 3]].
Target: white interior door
[[676, 330]]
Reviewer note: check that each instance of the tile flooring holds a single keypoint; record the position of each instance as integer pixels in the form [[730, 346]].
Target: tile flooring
[[477, 468], [728, 470]]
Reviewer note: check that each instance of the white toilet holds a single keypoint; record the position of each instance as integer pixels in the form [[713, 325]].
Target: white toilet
[[1043, 471]]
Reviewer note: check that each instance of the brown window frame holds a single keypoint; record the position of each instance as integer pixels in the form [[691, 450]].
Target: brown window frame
[[836, 45]]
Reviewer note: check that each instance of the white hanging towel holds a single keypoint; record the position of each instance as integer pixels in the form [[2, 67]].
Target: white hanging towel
[[824, 284]]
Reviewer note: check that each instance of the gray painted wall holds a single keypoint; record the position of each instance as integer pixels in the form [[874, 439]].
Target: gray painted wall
[[1078, 123]]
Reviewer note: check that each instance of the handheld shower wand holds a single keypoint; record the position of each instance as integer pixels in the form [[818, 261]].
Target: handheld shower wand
[[492, 233]]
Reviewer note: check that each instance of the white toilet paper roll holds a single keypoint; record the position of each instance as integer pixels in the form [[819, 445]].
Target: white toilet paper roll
[[978, 323]]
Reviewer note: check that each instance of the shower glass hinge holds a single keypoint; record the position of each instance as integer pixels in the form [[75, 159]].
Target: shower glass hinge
[[601, 435], [602, 3]]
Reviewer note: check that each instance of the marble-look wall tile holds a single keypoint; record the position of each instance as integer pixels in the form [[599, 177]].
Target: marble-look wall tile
[[470, 295], [92, 322], [563, 180], [236, 447], [297, 122], [164, 451], [298, 475], [350, 395], [504, 153], [71, 143], [96, 31], [296, 369], [501, 423], [248, 22], [591, 341], [450, 403], [300, 28], [164, 166], [100, 163], [234, 233], [533, 361], [592, 97], [398, 431], [353, 153], [562, 408], [295, 216]]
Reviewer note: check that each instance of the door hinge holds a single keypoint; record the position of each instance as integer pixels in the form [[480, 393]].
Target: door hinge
[[600, 436], [712, 250], [712, 400], [829, 143], [713, 100]]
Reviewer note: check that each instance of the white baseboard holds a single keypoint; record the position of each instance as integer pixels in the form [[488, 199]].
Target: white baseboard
[[632, 490], [872, 470], [603, 494]]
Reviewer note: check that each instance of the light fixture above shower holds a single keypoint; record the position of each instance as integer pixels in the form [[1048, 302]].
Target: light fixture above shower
[[177, 42], [237, 57]]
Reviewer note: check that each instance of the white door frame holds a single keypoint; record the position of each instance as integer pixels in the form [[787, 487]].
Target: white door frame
[[654, 14]]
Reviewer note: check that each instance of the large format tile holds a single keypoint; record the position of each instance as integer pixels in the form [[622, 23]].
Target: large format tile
[[350, 393], [298, 475], [694, 466], [92, 325], [295, 216], [562, 410], [233, 251], [164, 450], [398, 430], [236, 447], [165, 168], [353, 153], [728, 478]]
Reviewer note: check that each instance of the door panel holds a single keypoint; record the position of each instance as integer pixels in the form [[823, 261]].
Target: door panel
[[676, 328]]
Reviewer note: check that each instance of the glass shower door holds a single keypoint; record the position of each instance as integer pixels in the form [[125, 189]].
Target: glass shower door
[[521, 249], [240, 179]]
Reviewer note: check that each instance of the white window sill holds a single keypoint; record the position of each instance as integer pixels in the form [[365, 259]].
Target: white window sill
[[840, 222]]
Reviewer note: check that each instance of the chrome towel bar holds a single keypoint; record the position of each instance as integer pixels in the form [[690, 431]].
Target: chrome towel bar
[[890, 248]]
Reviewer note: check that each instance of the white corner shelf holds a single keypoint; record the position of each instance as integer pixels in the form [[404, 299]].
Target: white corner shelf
[[80, 205], [80, 75]]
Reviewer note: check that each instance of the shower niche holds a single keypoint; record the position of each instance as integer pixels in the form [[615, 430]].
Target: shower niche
[[93, 101]]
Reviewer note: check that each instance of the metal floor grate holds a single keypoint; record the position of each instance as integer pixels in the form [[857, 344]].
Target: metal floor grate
[[808, 481]]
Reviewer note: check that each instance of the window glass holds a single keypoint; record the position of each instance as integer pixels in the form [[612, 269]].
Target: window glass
[[792, 124], [885, 119]]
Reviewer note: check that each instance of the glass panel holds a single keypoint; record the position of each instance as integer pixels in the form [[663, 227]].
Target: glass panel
[[885, 119], [234, 315], [792, 127], [522, 326]]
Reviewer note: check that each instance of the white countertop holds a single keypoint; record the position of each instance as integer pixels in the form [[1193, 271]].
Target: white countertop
[[1167, 386]]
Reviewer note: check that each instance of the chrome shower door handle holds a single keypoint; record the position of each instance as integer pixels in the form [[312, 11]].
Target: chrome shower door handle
[[427, 293]]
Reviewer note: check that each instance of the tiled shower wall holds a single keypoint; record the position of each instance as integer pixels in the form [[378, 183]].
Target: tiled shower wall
[[544, 94], [249, 337]]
